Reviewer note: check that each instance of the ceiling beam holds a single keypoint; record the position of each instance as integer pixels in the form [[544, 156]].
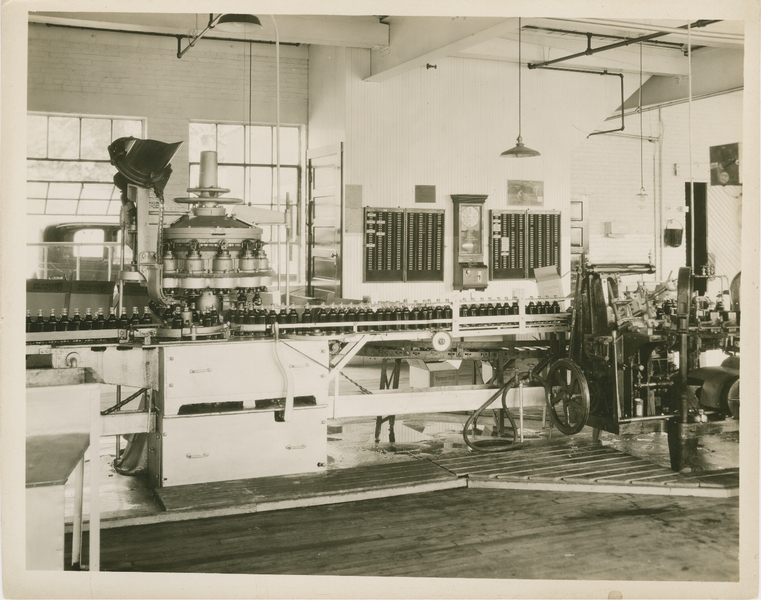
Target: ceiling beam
[[350, 31], [416, 41]]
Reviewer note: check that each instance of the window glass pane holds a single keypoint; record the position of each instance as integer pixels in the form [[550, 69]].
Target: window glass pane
[[64, 190], [289, 146], [96, 136], [93, 207], [288, 184], [51, 170], [97, 191], [114, 207], [62, 207], [63, 137], [230, 143], [127, 128], [37, 136], [232, 178], [260, 185], [203, 136], [36, 189], [89, 236], [35, 207], [259, 148], [195, 171]]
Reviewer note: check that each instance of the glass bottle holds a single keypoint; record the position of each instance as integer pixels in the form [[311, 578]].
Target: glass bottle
[[177, 318], [39, 322], [123, 321], [135, 318], [52, 323], [29, 321], [100, 320], [76, 321], [146, 318], [112, 322], [87, 323], [63, 323]]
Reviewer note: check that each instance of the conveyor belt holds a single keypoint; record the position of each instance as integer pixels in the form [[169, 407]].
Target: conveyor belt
[[585, 468]]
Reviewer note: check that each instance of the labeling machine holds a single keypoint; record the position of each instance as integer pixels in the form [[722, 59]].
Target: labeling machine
[[233, 388]]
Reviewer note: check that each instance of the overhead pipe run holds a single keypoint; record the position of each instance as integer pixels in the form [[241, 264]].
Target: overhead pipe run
[[590, 51], [619, 75]]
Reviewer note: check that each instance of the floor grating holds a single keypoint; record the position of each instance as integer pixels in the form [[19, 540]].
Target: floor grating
[[587, 468]]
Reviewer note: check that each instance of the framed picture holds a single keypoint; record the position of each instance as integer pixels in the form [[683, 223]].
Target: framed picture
[[525, 193]]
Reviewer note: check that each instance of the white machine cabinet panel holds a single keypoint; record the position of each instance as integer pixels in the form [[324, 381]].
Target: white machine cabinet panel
[[221, 447], [242, 371]]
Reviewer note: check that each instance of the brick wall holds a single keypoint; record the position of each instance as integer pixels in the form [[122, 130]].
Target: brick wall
[[120, 74], [607, 169]]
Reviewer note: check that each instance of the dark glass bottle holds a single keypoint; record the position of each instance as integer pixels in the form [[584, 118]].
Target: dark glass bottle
[[52, 323], [515, 308], [306, 319], [208, 319], [482, 310], [63, 323], [39, 323], [370, 316], [340, 317], [463, 310], [332, 317], [555, 307], [270, 320], [76, 321], [447, 315], [146, 318], [438, 314], [473, 310], [196, 317], [87, 322], [123, 321], [415, 316], [490, 310], [112, 322], [361, 318], [29, 321], [134, 320]]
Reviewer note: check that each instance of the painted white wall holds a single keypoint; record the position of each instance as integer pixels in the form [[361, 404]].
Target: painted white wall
[[613, 182], [447, 127]]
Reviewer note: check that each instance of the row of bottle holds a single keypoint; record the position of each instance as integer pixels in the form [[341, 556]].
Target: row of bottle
[[77, 323], [491, 309]]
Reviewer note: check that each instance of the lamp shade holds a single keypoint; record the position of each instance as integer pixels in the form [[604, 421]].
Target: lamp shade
[[234, 19], [520, 151]]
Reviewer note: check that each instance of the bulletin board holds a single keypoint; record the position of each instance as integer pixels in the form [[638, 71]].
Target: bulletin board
[[403, 245], [522, 241]]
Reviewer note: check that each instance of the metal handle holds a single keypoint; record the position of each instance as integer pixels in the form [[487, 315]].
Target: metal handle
[[201, 370], [204, 455]]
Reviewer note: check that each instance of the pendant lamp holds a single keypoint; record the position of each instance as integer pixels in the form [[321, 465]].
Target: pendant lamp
[[520, 150]]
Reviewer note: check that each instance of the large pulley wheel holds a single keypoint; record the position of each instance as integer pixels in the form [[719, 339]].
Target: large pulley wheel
[[567, 396]]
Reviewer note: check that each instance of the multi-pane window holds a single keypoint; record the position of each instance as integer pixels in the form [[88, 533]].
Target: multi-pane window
[[68, 167], [247, 160]]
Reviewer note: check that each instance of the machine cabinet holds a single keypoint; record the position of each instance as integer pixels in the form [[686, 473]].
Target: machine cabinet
[[221, 447]]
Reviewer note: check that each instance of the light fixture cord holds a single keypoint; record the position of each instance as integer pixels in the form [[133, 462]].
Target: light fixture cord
[[519, 77], [689, 135], [639, 108]]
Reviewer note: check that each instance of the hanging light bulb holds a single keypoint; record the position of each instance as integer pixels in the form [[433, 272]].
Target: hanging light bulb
[[520, 150]]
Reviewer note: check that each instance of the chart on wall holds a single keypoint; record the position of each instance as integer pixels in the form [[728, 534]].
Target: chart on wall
[[522, 241], [403, 245]]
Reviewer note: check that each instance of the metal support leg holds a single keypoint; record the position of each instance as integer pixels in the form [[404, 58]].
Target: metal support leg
[[387, 382]]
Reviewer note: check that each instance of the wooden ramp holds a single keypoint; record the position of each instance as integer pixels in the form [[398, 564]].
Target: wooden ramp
[[292, 491], [589, 468]]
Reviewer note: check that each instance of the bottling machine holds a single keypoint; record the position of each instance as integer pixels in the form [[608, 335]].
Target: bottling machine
[[235, 386]]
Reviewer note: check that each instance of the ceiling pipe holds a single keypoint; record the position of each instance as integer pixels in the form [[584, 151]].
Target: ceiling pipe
[[619, 75], [590, 51], [682, 30]]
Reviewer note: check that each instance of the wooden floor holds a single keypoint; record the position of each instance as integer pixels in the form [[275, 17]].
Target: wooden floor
[[464, 533]]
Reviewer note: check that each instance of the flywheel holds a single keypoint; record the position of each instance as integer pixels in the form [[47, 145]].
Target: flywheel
[[567, 396]]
